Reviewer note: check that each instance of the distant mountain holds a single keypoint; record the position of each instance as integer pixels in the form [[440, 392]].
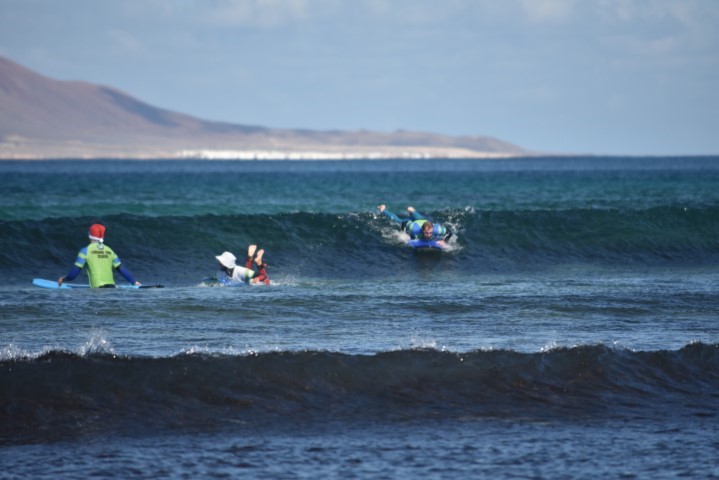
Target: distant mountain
[[45, 118]]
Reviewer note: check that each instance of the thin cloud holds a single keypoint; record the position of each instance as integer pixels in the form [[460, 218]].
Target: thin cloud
[[548, 11], [125, 41], [261, 13], [660, 28]]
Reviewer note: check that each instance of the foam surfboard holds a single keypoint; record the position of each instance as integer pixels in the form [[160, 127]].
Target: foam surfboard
[[425, 244], [43, 283], [224, 282]]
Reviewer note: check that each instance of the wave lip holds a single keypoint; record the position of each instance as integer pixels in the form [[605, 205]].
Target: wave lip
[[60, 394]]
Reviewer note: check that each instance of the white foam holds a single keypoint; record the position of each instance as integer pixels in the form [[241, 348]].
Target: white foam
[[97, 343]]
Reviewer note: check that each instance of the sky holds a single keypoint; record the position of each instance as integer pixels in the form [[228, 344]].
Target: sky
[[604, 77]]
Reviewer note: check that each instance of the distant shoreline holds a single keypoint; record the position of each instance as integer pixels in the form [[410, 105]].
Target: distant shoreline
[[226, 154], [327, 158]]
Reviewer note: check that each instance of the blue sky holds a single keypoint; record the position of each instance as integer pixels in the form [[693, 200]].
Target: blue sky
[[638, 77]]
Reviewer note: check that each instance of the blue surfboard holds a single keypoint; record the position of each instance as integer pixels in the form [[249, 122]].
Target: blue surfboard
[[425, 244], [43, 283]]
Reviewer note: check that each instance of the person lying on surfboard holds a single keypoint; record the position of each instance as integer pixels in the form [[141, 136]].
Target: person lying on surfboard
[[100, 260], [248, 273], [418, 227]]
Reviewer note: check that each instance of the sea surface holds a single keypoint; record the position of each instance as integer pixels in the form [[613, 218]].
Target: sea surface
[[571, 329]]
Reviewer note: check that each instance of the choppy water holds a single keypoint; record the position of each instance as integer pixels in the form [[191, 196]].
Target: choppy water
[[571, 329]]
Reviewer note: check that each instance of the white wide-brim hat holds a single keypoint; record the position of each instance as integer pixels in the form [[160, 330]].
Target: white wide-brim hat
[[227, 259]]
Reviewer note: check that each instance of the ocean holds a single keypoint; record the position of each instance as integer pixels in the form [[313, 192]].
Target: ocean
[[570, 330]]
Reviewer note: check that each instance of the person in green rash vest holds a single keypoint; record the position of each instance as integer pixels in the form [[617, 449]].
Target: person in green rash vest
[[100, 260]]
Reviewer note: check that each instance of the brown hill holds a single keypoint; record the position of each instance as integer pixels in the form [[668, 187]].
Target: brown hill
[[45, 118]]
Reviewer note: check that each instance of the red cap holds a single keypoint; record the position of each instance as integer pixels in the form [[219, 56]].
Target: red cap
[[97, 232]]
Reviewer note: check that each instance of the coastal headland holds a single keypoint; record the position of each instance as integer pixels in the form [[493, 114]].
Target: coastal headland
[[45, 118]]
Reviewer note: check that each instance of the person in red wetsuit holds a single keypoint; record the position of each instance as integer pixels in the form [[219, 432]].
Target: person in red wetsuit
[[254, 271]]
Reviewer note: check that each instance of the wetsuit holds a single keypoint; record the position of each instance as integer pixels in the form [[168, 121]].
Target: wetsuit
[[247, 273], [412, 226], [100, 260]]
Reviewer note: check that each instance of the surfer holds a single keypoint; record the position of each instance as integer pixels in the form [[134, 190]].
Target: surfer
[[250, 273], [418, 227], [100, 261]]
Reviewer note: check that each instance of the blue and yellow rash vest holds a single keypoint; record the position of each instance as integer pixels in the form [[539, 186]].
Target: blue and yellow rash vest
[[413, 228], [100, 261], [413, 225]]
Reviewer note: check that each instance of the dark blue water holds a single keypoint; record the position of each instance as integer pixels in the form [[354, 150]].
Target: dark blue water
[[570, 330]]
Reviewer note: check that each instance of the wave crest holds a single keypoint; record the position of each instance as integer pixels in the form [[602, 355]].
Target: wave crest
[[70, 394]]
